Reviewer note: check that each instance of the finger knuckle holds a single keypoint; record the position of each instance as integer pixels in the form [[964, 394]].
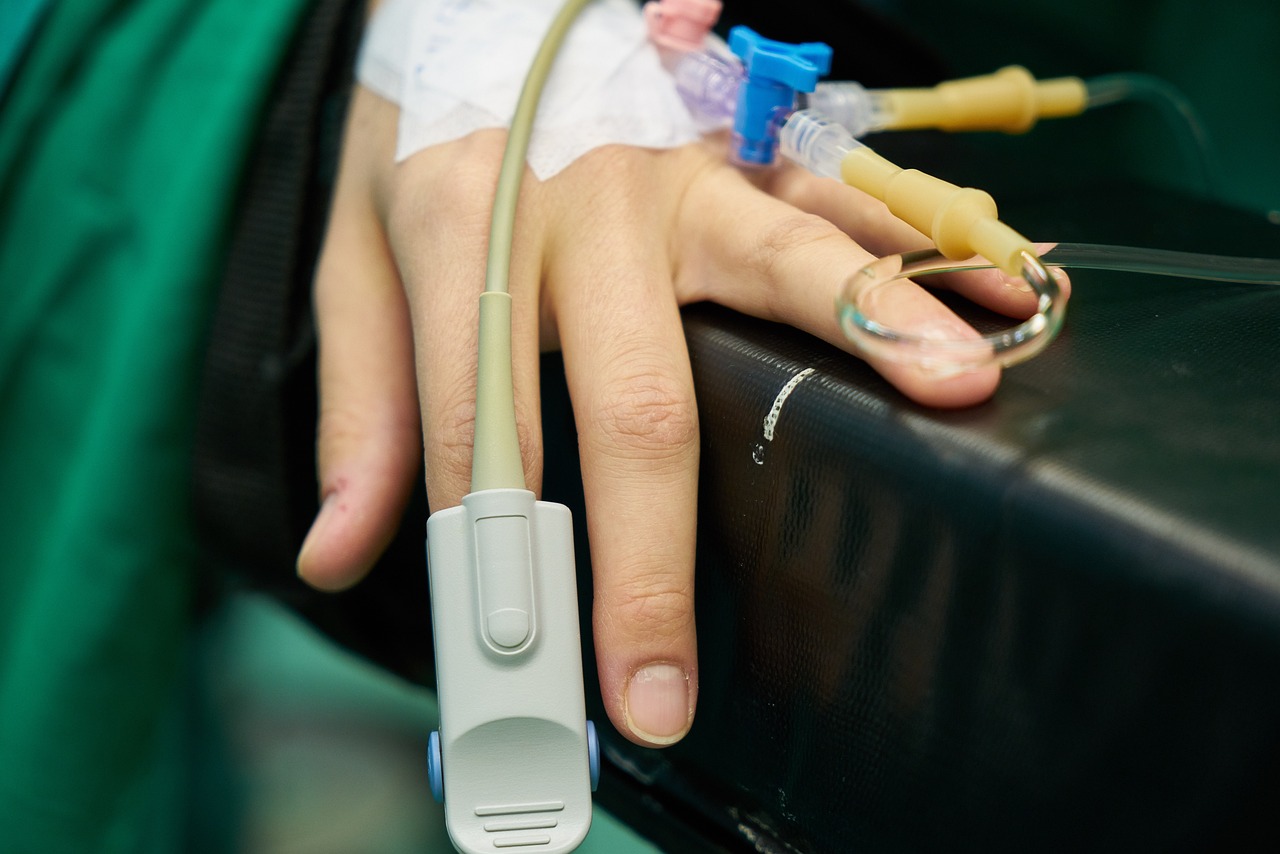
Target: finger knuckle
[[646, 413], [460, 200], [453, 436], [338, 427], [788, 236], [452, 442], [461, 184], [652, 604]]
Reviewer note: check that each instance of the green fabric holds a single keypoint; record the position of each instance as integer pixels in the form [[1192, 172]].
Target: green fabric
[[120, 145], [19, 18], [327, 751]]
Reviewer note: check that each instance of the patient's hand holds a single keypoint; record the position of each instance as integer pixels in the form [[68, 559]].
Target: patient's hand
[[606, 252]]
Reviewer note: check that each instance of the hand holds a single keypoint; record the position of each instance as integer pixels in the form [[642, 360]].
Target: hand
[[606, 253]]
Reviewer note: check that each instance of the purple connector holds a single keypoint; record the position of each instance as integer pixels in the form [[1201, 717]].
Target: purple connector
[[708, 82]]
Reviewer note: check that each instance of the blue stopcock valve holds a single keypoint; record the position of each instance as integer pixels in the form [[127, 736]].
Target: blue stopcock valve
[[775, 72]]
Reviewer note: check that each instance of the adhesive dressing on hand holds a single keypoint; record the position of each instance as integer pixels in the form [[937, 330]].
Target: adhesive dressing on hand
[[455, 66]]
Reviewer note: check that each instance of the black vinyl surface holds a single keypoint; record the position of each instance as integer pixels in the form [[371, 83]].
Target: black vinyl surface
[[1049, 622]]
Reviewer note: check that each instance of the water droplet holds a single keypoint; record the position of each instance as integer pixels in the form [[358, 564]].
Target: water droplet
[[757, 454]]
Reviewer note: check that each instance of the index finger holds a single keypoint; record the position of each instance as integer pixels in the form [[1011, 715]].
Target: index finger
[[760, 255]]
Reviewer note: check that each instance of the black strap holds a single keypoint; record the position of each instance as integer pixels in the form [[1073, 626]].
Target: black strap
[[254, 467], [262, 343]]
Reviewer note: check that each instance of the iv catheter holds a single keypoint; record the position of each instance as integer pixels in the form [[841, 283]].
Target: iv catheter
[[711, 79], [709, 75], [515, 760], [1009, 100]]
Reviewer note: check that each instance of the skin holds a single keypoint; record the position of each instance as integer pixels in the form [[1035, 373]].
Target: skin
[[606, 253]]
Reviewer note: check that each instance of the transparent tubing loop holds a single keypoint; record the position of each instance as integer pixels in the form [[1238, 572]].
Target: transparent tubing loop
[[855, 303], [822, 145], [857, 298], [1174, 108]]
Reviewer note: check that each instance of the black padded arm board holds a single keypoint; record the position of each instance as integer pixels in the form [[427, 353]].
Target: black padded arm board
[[1049, 622]]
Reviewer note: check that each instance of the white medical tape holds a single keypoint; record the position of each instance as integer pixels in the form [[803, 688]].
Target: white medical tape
[[457, 66]]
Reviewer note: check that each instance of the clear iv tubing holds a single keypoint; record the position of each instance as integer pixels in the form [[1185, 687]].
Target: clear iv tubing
[[857, 300], [861, 110], [1177, 110], [858, 297], [959, 221]]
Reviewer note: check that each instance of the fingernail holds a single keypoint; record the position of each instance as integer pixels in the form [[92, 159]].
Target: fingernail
[[957, 350], [314, 534], [946, 331], [657, 703], [1017, 282]]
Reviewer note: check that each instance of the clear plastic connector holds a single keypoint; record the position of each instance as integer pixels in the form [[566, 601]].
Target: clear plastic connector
[[816, 142], [859, 109], [858, 305], [708, 82]]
